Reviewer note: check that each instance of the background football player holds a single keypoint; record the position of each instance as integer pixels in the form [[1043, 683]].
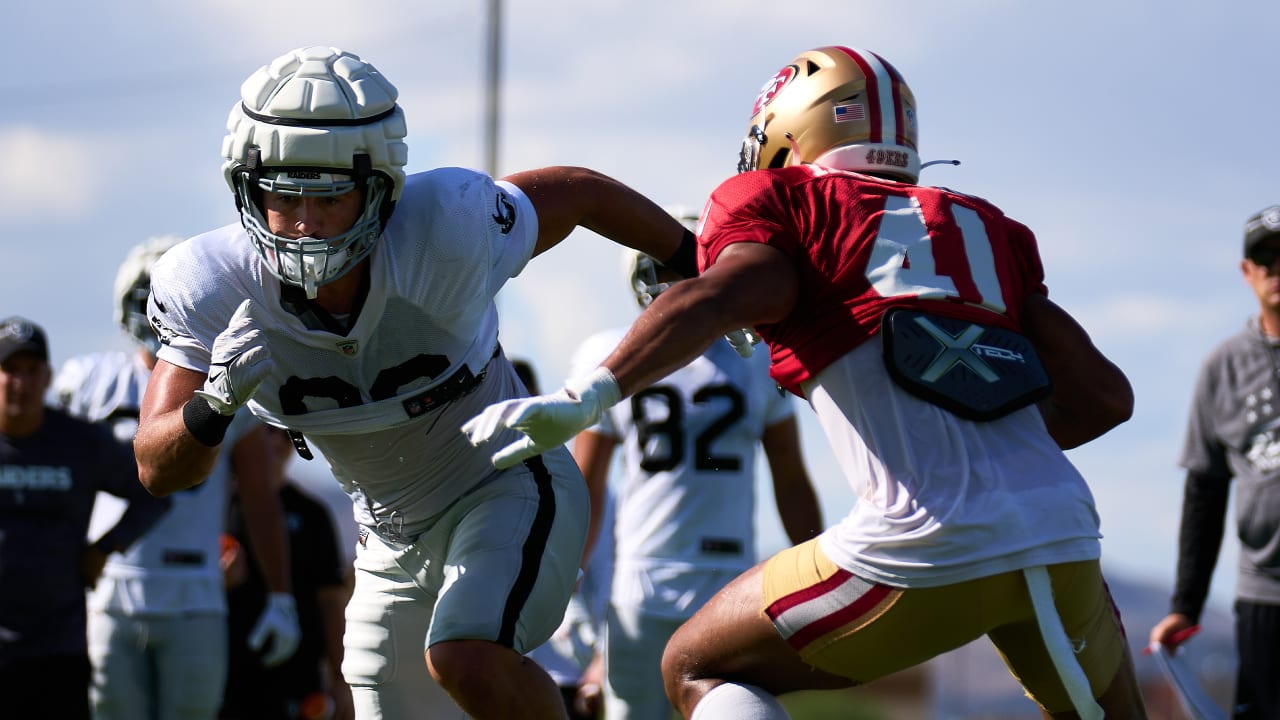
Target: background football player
[[158, 616]]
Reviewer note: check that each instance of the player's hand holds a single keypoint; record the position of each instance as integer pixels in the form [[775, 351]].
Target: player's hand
[[547, 421], [1172, 631], [240, 362], [279, 621], [92, 561], [743, 341], [588, 700]]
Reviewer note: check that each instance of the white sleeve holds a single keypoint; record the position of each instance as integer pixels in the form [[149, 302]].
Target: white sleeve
[[171, 311]]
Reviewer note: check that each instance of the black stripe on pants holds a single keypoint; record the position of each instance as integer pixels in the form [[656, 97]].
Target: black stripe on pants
[[535, 545]]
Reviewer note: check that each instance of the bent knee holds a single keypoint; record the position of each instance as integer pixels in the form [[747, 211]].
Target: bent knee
[[454, 663], [679, 667]]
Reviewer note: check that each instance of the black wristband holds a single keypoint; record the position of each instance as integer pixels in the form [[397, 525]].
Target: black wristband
[[685, 259], [204, 423]]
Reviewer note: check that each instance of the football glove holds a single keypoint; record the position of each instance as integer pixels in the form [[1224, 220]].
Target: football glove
[[279, 621], [743, 341], [547, 421], [240, 362]]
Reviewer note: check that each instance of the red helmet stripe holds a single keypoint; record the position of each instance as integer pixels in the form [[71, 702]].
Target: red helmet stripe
[[883, 92], [898, 111]]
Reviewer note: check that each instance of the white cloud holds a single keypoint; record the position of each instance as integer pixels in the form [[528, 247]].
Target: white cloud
[[1144, 316], [46, 173]]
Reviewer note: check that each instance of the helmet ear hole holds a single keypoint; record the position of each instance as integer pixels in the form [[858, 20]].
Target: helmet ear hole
[[780, 159]]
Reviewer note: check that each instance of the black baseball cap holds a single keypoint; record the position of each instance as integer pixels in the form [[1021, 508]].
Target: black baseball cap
[[21, 335], [1261, 226]]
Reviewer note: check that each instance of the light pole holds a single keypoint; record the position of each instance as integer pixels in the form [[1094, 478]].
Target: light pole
[[492, 86]]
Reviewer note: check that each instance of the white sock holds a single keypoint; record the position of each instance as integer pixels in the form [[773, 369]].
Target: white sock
[[739, 702]]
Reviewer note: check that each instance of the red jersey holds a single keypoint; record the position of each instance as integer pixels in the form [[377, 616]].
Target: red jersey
[[861, 245]]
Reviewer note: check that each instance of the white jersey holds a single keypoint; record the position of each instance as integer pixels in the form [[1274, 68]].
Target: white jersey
[[173, 568], [942, 500], [361, 396], [686, 505]]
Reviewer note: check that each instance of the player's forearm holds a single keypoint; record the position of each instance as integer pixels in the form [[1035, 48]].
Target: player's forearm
[[1090, 395], [800, 513], [1204, 509], [266, 528], [169, 457], [677, 328], [257, 483], [1078, 409], [793, 491], [594, 452]]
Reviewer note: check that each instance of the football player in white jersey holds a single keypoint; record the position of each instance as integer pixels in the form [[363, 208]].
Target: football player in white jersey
[[354, 306], [157, 618], [915, 321], [685, 507]]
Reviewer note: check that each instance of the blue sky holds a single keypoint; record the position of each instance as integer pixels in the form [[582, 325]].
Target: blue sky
[[1134, 138]]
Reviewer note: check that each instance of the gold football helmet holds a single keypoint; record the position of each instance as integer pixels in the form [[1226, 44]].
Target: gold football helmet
[[838, 107]]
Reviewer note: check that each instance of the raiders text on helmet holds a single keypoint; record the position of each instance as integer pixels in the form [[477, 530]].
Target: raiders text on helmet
[[837, 107], [316, 122], [133, 286]]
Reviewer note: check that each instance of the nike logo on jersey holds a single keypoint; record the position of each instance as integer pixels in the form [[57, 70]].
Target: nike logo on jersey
[[505, 215]]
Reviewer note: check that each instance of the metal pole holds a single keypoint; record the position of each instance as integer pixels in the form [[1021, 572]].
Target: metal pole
[[491, 96]]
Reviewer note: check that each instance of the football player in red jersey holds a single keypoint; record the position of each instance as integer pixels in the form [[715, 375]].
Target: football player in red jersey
[[915, 321]]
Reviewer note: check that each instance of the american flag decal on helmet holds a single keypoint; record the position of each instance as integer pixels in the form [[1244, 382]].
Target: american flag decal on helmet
[[853, 111], [888, 121]]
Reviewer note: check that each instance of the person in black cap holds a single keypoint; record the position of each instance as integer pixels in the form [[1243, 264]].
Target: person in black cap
[[51, 468], [1234, 434]]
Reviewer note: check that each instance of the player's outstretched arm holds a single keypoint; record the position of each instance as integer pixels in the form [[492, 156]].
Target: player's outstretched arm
[[169, 457], [1090, 393], [678, 327], [687, 318], [569, 197]]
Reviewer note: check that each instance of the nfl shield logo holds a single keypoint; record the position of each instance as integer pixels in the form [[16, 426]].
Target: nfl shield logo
[[349, 347]]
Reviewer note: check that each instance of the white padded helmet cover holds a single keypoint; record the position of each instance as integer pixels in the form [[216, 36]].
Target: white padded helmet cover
[[343, 107]]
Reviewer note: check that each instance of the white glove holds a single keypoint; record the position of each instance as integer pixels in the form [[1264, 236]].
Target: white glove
[[279, 620], [239, 363], [743, 341], [547, 421]]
